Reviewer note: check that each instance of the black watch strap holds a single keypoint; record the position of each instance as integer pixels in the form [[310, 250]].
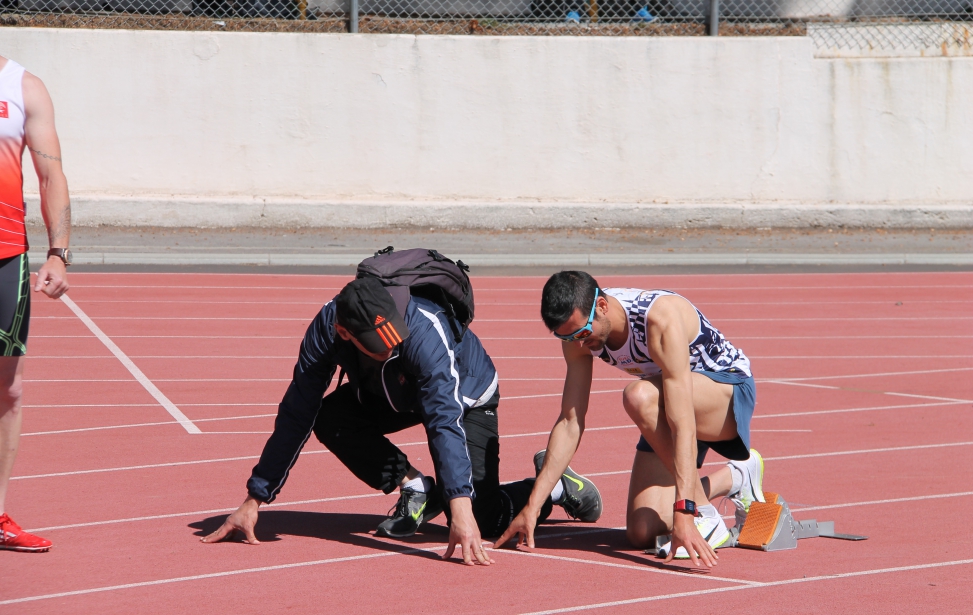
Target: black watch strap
[[62, 253]]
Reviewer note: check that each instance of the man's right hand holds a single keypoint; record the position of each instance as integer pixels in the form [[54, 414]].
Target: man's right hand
[[522, 527], [243, 520]]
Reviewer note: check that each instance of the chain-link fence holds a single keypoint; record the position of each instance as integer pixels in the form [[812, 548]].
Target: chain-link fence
[[836, 25]]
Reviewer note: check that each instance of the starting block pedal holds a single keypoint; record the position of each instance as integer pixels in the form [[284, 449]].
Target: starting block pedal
[[771, 527]]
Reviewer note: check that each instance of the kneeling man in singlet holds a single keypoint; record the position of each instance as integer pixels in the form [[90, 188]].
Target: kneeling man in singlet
[[695, 392]]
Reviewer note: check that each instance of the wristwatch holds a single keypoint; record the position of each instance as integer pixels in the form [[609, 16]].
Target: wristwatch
[[62, 253], [686, 506]]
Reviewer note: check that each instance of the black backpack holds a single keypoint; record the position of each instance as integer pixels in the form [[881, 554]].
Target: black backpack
[[427, 274]]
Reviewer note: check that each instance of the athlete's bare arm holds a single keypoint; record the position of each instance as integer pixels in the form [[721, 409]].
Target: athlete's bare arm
[[562, 444], [671, 325], [45, 151]]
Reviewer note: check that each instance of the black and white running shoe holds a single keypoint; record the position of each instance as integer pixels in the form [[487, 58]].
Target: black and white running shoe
[[412, 510], [581, 499]]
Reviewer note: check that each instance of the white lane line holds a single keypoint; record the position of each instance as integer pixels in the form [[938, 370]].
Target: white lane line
[[642, 568], [863, 409], [536, 321], [319, 304], [781, 431], [167, 356], [156, 424], [203, 318], [228, 405], [531, 303], [908, 373], [253, 416], [863, 451], [149, 466], [889, 501], [761, 320], [520, 435], [783, 357], [214, 575], [866, 451], [255, 337], [214, 511], [529, 338], [537, 289], [162, 380], [224, 433], [253, 457], [508, 397], [232, 418], [836, 388], [741, 583], [717, 590], [153, 390]]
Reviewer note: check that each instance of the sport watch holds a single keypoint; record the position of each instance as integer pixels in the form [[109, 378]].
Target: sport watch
[[62, 253], [686, 506]]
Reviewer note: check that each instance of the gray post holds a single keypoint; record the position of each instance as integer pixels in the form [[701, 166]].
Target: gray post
[[353, 17], [714, 17]]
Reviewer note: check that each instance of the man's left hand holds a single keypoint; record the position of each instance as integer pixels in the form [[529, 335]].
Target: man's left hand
[[685, 534], [463, 531], [52, 279]]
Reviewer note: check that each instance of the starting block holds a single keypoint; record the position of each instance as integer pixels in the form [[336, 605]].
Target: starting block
[[771, 527]]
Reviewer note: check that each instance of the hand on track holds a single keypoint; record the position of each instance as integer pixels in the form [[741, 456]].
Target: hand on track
[[685, 534], [464, 532], [522, 527], [242, 520]]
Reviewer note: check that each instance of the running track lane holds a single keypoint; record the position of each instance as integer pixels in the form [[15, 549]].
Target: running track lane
[[324, 548]]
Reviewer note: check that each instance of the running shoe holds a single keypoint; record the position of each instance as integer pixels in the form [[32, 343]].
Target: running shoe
[[14, 538], [581, 499], [412, 510], [752, 488], [713, 529]]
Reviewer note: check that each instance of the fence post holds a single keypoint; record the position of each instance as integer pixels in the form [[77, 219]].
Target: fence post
[[714, 18], [353, 17]]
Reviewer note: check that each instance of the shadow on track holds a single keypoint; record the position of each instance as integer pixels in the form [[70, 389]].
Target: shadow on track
[[348, 528], [358, 530]]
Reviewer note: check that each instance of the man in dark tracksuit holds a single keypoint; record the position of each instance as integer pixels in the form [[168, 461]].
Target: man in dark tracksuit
[[403, 370]]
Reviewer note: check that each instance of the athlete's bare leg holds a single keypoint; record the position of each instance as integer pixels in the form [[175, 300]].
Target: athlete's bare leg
[[11, 378], [652, 487]]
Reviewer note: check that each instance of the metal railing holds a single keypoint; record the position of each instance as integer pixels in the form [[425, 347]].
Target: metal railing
[[834, 24]]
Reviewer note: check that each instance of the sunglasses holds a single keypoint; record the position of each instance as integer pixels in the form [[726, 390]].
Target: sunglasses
[[584, 331]]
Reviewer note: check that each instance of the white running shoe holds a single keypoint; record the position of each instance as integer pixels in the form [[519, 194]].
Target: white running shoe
[[752, 488], [713, 529]]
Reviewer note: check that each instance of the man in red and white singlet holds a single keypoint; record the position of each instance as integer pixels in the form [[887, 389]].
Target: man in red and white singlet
[[26, 122]]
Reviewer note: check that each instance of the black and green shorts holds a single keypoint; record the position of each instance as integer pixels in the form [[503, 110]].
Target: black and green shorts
[[14, 305]]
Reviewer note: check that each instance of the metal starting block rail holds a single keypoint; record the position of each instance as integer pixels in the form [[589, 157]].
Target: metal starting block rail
[[771, 527]]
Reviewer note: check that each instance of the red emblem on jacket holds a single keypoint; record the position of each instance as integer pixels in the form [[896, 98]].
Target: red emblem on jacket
[[3, 108]]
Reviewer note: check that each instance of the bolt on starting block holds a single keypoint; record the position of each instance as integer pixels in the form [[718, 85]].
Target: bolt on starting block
[[771, 527]]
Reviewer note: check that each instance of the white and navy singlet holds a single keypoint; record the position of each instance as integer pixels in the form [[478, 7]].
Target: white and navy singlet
[[709, 352]]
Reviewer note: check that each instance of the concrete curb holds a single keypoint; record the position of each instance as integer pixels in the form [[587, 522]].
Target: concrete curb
[[228, 212], [521, 260]]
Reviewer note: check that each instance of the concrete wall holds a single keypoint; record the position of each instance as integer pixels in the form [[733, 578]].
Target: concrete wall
[[268, 128]]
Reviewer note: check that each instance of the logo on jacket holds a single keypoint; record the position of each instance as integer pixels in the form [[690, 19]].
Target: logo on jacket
[[3, 108]]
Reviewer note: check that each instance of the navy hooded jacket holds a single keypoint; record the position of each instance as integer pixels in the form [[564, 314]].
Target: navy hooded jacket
[[442, 379]]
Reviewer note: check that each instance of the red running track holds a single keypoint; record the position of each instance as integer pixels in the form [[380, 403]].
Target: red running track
[[865, 417]]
